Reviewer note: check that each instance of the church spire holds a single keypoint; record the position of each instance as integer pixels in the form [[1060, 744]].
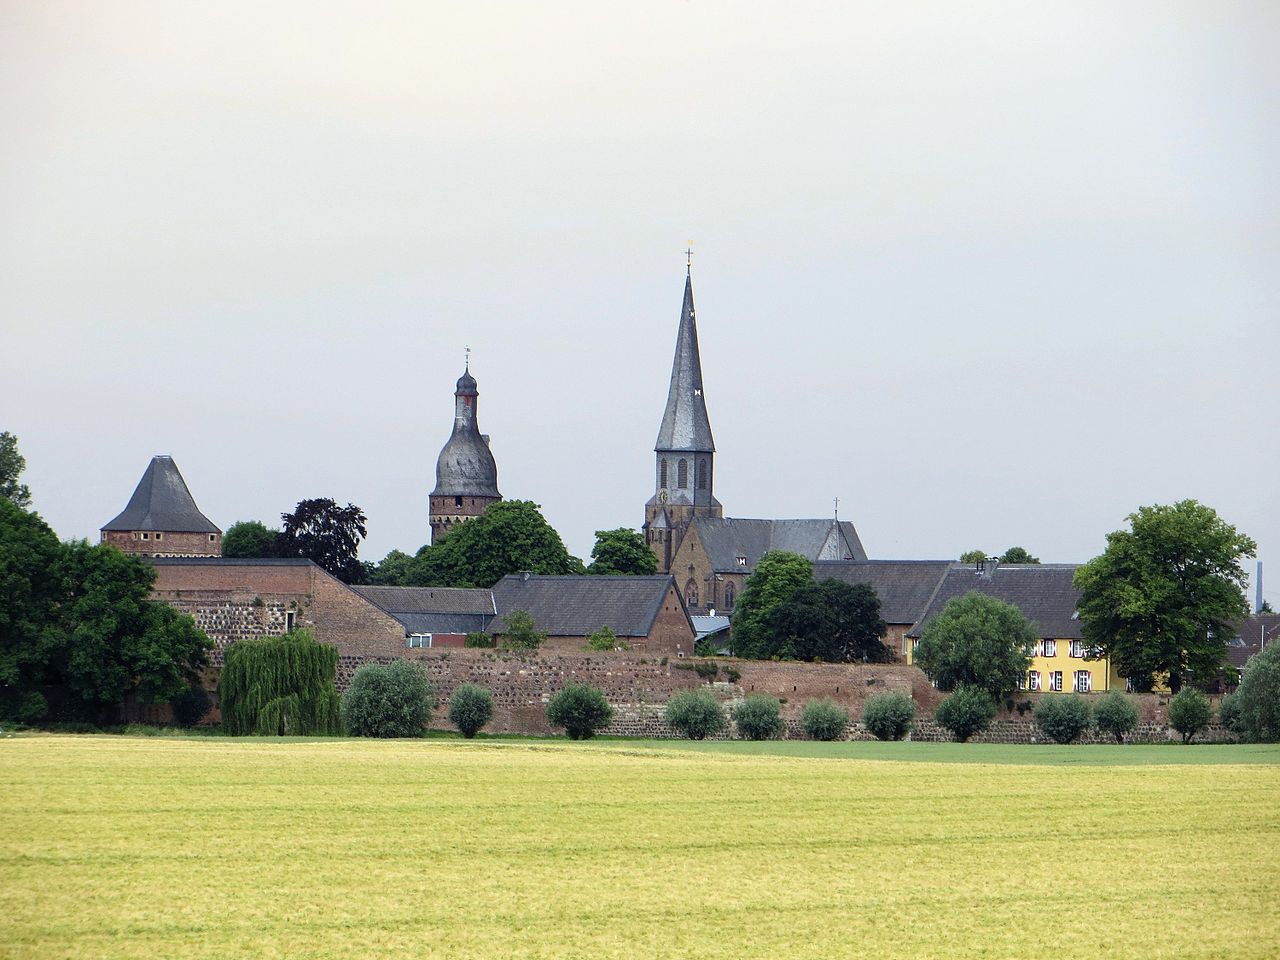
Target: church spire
[[685, 425]]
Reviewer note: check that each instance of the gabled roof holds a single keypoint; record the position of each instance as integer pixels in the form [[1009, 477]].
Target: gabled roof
[[1250, 635], [685, 425], [903, 586], [1042, 591], [161, 501], [725, 539], [434, 609], [579, 606]]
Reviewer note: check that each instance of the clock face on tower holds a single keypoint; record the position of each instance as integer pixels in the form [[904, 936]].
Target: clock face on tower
[[662, 496]]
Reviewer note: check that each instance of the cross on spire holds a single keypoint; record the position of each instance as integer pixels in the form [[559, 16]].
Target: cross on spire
[[837, 517], [688, 259], [468, 352]]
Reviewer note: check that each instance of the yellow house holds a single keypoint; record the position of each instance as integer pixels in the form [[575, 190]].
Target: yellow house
[[1044, 592]]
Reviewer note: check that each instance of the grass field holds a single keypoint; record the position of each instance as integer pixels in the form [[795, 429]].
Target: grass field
[[165, 848]]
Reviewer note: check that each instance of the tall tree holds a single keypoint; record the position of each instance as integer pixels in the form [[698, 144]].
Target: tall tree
[[328, 535], [973, 556], [976, 641], [1018, 555], [251, 539], [621, 551], [29, 553], [1163, 597], [12, 463], [393, 570], [511, 536], [776, 577], [833, 621]]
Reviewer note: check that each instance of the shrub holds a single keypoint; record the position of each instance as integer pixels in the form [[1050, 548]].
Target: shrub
[[470, 708], [824, 719], [1189, 712], [889, 715], [604, 639], [758, 717], [190, 706], [581, 710], [387, 700], [1229, 713], [1115, 714], [706, 669], [279, 685], [695, 714], [521, 633], [477, 639], [1063, 719], [967, 711], [1259, 695]]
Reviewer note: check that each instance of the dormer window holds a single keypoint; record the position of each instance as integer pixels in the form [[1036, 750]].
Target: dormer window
[[740, 560]]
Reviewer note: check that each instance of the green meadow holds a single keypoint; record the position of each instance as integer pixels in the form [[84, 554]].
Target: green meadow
[[217, 847]]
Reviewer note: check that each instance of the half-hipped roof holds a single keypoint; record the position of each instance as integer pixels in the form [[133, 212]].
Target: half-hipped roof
[[1044, 592], [903, 586]]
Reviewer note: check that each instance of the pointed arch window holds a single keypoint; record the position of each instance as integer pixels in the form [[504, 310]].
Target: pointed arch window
[[682, 474], [702, 474], [691, 589], [662, 473], [729, 596]]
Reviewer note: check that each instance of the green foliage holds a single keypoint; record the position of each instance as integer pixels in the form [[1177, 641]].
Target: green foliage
[[1018, 555], [969, 710], [326, 534], [758, 717], [581, 709], [1189, 712], [510, 537], [477, 639], [30, 647], [12, 463], [973, 556], [824, 719], [832, 621], [387, 700], [621, 551], [190, 706], [775, 578], [695, 714], [976, 641], [889, 715], [1163, 597], [1231, 715], [1259, 695], [605, 639], [394, 570], [1115, 714], [252, 539], [280, 685], [520, 632], [1063, 718], [470, 708]]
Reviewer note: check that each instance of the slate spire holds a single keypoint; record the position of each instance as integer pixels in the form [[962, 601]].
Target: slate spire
[[161, 501], [685, 425]]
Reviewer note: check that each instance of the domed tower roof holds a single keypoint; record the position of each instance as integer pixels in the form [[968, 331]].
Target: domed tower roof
[[465, 467]]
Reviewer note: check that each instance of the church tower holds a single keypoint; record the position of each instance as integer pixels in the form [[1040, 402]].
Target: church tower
[[684, 469], [466, 474]]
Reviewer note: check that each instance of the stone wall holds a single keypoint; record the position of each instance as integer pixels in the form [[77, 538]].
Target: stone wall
[[161, 543]]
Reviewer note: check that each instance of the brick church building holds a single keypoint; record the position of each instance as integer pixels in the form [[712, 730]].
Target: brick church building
[[711, 555]]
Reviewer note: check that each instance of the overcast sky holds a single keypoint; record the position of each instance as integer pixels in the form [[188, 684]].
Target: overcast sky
[[991, 274]]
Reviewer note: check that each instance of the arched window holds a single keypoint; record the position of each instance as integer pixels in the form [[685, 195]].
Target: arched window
[[691, 589], [729, 594], [702, 474], [682, 474], [662, 473]]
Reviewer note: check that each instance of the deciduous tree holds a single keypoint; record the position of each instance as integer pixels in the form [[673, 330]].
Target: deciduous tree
[[776, 577], [1164, 596], [833, 621], [976, 641], [1018, 555], [251, 539], [328, 535], [621, 551], [12, 463]]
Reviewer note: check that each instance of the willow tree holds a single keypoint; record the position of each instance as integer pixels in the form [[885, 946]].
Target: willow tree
[[280, 685]]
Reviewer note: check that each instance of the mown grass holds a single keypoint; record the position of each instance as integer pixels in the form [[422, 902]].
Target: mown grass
[[123, 847]]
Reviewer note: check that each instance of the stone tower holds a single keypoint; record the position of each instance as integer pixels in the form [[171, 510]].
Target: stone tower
[[684, 468], [466, 475], [162, 519]]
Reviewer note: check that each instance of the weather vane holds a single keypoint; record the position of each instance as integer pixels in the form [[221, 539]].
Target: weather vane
[[468, 352], [688, 258]]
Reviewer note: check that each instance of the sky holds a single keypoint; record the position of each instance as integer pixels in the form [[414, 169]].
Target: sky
[[991, 273]]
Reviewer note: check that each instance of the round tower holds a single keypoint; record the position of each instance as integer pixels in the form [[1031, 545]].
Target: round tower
[[466, 474]]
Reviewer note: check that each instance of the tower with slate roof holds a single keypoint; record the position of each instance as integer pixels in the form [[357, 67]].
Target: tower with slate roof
[[466, 474], [162, 519], [684, 462]]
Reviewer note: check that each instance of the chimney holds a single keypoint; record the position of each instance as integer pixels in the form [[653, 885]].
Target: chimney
[[1257, 584], [525, 575]]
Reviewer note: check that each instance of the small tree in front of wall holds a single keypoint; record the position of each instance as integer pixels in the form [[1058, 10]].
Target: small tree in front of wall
[[470, 709], [520, 632], [387, 700], [888, 716], [280, 685], [604, 640], [1063, 718], [581, 709], [759, 717], [824, 719], [967, 711], [1189, 712], [695, 714], [1115, 714]]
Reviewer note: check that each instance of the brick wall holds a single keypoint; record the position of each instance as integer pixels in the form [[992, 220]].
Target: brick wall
[[169, 544]]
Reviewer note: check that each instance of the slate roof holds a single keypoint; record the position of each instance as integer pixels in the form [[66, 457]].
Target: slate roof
[[1249, 636], [685, 425], [727, 538], [579, 606], [465, 467], [434, 609], [903, 586], [161, 501], [1042, 591]]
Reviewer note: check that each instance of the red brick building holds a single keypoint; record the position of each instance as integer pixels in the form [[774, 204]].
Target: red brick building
[[162, 519]]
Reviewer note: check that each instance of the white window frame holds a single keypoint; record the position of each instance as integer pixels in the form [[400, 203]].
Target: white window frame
[[1083, 681], [1055, 681], [1077, 649], [418, 641], [1050, 648], [1033, 680]]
